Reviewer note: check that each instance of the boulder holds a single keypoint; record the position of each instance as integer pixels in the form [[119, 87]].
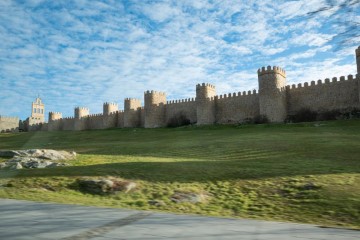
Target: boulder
[[125, 186], [96, 186], [157, 203], [191, 197], [7, 153], [36, 164], [16, 166], [104, 186]]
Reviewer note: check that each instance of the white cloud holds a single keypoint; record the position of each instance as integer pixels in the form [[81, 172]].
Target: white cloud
[[310, 39]]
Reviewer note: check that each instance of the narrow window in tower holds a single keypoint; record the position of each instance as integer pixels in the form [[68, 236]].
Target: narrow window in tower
[[34, 110]]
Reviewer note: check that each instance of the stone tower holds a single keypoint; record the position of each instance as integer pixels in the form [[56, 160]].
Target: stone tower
[[132, 112], [205, 105], [154, 109], [81, 112], [38, 111], [272, 93], [54, 116], [357, 53], [109, 108]]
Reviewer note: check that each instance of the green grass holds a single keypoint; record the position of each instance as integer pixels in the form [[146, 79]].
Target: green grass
[[252, 171]]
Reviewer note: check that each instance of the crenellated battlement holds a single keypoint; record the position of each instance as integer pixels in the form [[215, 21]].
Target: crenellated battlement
[[110, 104], [95, 115], [55, 113], [271, 70], [131, 104], [109, 107], [185, 100], [208, 85], [54, 116], [238, 94], [81, 112], [132, 99], [68, 118], [115, 112], [152, 92], [82, 108], [321, 82], [6, 118]]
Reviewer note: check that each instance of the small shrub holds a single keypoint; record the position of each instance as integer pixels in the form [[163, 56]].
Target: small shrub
[[248, 121], [260, 119], [303, 115], [329, 115], [350, 114], [178, 120]]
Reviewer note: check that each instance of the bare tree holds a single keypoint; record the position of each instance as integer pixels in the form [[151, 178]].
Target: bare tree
[[343, 19]]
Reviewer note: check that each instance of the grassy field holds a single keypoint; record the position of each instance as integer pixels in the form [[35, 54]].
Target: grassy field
[[251, 171]]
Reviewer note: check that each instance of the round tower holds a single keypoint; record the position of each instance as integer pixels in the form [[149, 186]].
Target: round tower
[[109, 108], [132, 104], [357, 53], [81, 112], [54, 116], [132, 112], [272, 93], [205, 106], [154, 109], [204, 91]]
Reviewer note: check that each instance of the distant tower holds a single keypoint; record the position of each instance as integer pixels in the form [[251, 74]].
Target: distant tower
[[132, 112], [37, 112], [272, 93], [109, 108], [205, 107], [54, 116], [154, 109], [81, 112], [357, 53]]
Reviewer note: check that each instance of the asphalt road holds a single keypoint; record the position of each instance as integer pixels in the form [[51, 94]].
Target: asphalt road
[[33, 220]]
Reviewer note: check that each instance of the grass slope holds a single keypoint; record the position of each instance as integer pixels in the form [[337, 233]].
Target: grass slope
[[252, 171]]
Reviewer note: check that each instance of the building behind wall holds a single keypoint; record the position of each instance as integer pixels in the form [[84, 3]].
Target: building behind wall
[[37, 118]]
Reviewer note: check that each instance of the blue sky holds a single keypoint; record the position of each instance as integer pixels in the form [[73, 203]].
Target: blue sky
[[86, 52]]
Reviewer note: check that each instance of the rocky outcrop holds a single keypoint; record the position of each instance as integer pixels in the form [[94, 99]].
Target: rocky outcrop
[[49, 154], [35, 158], [104, 186]]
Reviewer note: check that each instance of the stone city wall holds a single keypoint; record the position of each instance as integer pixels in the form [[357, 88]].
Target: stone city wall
[[9, 124], [335, 94], [186, 107], [274, 99], [236, 107]]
